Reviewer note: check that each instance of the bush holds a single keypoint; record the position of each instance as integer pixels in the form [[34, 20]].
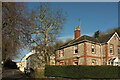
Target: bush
[[73, 71]]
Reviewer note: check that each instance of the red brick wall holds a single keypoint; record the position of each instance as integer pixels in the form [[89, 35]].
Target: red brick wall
[[77, 34]]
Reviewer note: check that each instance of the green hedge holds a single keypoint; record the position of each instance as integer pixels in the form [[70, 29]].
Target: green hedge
[[79, 71]]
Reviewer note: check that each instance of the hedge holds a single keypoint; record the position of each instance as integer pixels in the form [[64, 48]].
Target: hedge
[[78, 71]]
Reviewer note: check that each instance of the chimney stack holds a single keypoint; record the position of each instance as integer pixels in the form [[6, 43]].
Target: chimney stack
[[77, 32]]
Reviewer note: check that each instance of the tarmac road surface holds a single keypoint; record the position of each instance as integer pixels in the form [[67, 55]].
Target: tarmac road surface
[[11, 74]]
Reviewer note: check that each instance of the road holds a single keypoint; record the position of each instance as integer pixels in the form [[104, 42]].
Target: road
[[13, 74]]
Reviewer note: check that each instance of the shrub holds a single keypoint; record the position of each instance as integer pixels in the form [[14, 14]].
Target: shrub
[[78, 71]]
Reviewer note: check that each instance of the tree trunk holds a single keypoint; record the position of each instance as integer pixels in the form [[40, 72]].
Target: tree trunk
[[45, 51]]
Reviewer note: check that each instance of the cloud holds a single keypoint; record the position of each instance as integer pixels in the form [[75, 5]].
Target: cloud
[[88, 34], [64, 38]]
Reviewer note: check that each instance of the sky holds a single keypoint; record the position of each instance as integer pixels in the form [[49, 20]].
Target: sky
[[93, 16]]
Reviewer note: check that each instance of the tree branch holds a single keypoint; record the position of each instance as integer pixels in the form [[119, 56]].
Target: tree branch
[[49, 27], [36, 42], [39, 35]]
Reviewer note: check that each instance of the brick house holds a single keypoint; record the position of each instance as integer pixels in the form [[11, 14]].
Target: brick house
[[86, 50]]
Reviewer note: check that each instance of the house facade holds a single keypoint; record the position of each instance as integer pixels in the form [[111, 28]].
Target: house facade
[[18, 64], [36, 61], [23, 62], [86, 50]]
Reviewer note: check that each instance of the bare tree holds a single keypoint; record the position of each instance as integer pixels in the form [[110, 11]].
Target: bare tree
[[46, 24], [110, 31], [117, 29], [37, 60], [15, 29]]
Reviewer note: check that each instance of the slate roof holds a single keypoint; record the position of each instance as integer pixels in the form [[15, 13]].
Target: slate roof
[[118, 33], [105, 38], [82, 38], [79, 40], [102, 39]]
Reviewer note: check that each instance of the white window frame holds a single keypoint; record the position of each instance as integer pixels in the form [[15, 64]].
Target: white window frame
[[75, 49], [93, 62], [118, 49], [111, 48], [61, 63], [93, 48], [61, 54], [75, 63]]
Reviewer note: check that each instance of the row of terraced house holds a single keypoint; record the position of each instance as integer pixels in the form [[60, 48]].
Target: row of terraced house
[[86, 50]]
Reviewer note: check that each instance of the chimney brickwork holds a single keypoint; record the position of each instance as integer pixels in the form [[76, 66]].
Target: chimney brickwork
[[77, 32]]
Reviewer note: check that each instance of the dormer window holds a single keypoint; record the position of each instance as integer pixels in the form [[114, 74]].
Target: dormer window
[[111, 49], [93, 48], [75, 49]]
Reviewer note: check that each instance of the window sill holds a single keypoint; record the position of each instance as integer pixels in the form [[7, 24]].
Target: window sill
[[93, 53]]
